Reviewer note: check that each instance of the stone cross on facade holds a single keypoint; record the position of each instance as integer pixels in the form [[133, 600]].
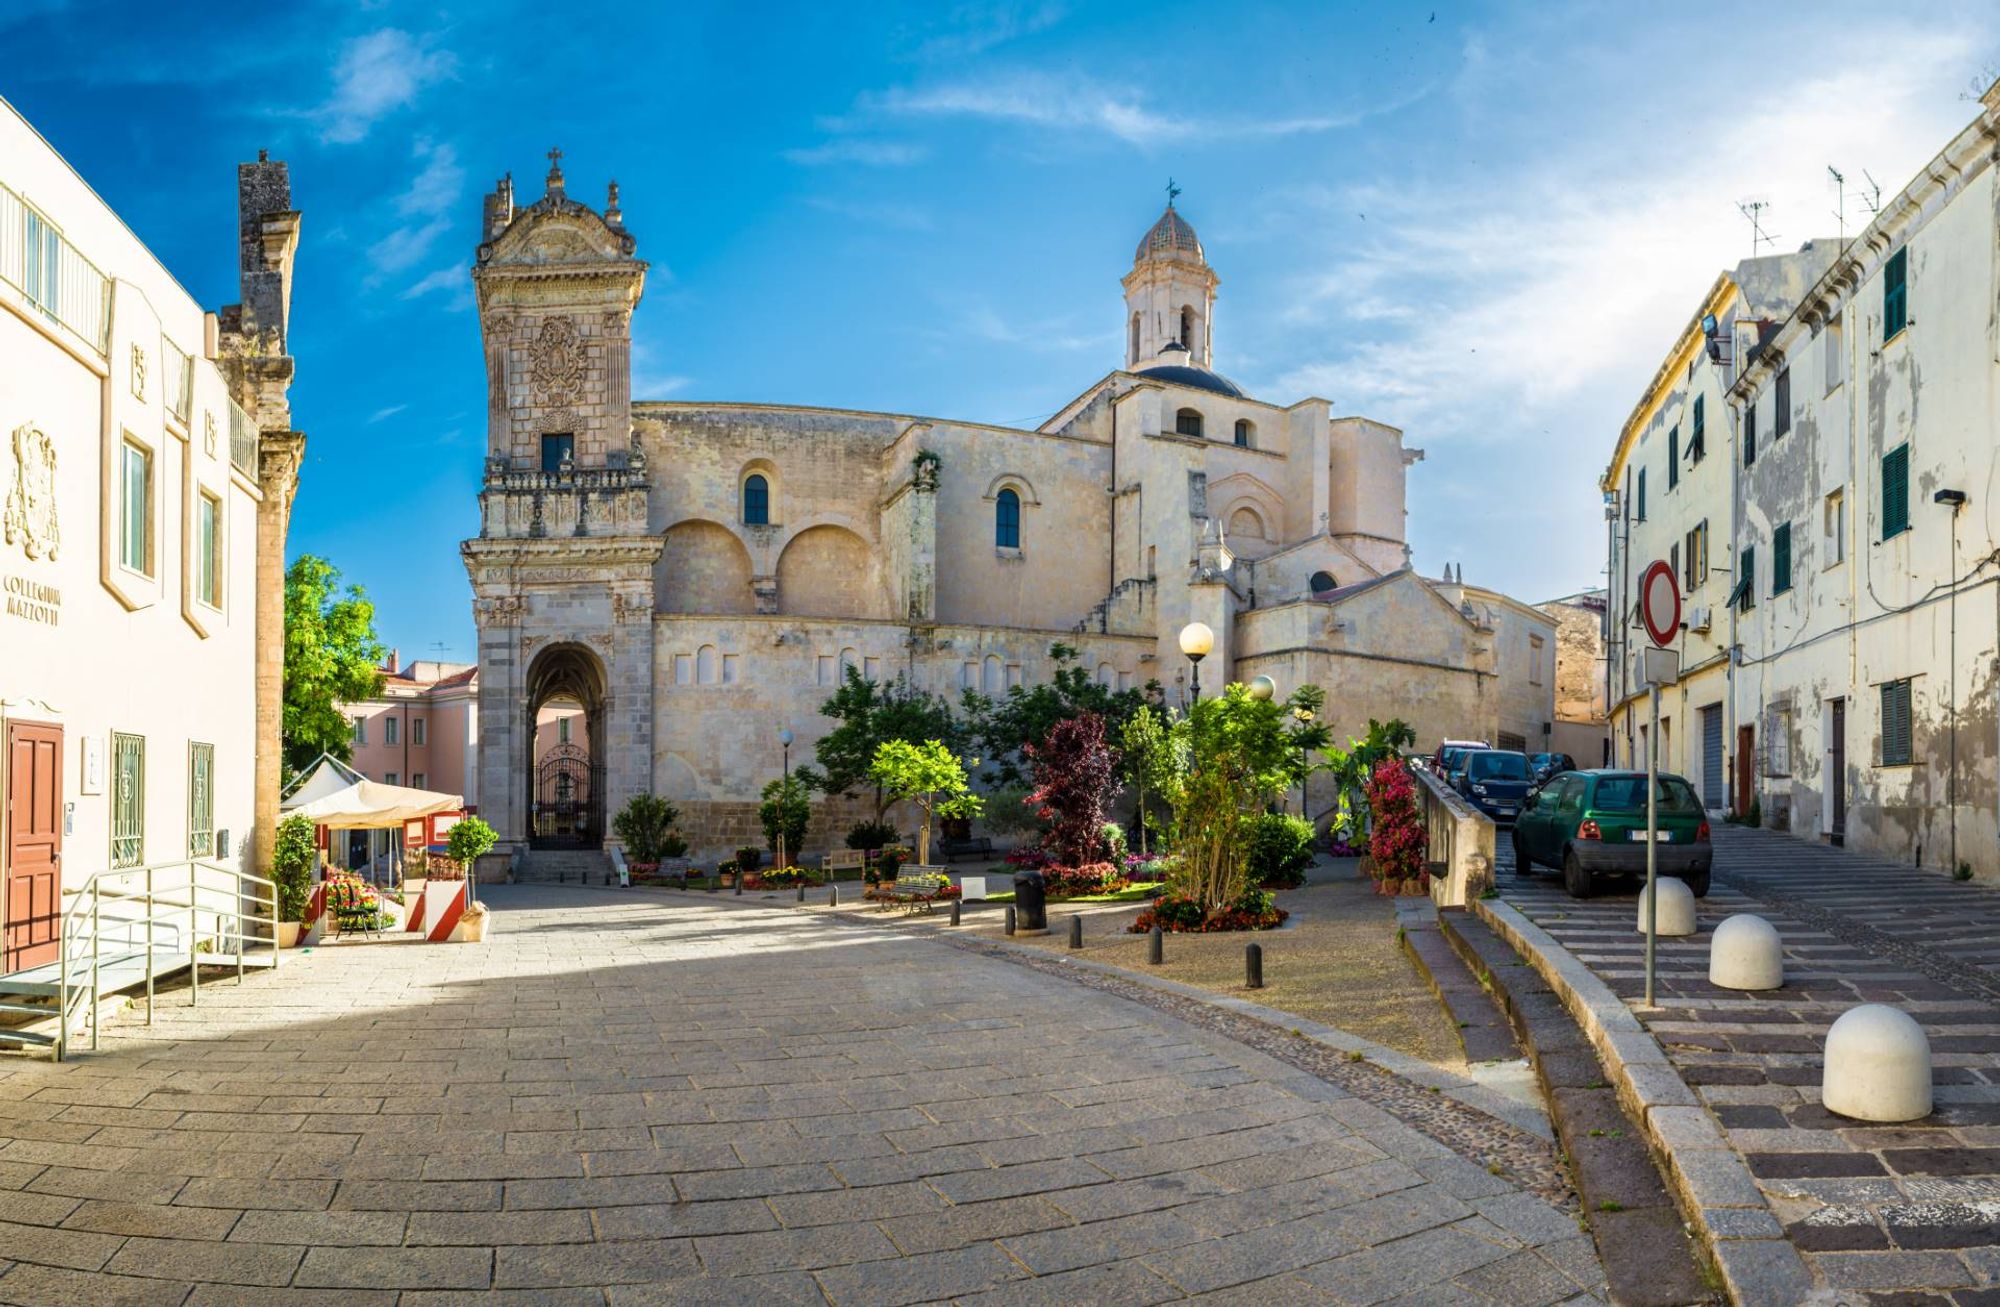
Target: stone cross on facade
[[555, 168], [1173, 192]]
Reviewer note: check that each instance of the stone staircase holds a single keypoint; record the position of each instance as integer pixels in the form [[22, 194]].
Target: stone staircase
[[564, 866]]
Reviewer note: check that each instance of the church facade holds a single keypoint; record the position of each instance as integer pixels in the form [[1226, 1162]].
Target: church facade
[[699, 576]]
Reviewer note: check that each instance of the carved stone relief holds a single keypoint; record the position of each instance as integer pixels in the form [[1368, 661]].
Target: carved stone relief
[[31, 501], [500, 610], [556, 366], [138, 371]]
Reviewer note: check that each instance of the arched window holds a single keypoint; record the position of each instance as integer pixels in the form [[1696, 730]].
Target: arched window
[[1187, 328], [1323, 582], [1007, 520], [1132, 355], [1242, 433], [756, 501], [1187, 422]]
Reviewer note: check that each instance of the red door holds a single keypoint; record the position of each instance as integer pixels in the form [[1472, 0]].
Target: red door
[[34, 844]]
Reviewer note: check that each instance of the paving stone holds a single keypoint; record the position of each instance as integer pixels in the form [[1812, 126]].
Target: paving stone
[[743, 1115]]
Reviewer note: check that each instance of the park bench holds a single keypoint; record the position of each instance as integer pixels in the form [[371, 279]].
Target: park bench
[[952, 850], [840, 860], [915, 888]]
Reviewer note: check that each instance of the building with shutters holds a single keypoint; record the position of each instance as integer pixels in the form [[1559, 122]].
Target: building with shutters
[[1866, 613], [700, 576], [1669, 495], [147, 465]]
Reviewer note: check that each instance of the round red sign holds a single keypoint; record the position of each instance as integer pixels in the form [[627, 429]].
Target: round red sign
[[1660, 603]]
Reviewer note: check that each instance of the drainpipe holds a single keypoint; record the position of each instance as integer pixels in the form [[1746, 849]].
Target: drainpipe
[[1730, 728]]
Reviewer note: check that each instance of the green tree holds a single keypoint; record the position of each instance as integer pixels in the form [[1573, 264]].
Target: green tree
[[1307, 733], [871, 714], [1150, 762], [930, 776], [786, 808], [1025, 715], [331, 657], [470, 840], [1238, 760], [645, 826]]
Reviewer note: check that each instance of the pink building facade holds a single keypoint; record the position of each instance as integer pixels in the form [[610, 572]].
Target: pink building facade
[[422, 730]]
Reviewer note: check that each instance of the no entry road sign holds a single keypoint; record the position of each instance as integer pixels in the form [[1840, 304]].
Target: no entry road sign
[[1660, 603]]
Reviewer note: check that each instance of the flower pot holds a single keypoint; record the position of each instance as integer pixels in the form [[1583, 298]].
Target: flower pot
[[1391, 886], [289, 932]]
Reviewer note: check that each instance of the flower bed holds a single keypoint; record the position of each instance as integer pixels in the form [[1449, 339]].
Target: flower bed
[[1254, 909], [1073, 882], [782, 878]]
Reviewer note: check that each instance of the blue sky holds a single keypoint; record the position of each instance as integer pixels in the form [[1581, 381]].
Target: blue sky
[[1483, 224]]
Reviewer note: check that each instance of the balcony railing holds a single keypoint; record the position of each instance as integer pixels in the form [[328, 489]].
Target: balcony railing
[[51, 277], [242, 440], [179, 380]]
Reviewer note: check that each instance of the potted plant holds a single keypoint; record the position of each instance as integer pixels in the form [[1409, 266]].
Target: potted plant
[[469, 841], [291, 873], [471, 928], [645, 827]]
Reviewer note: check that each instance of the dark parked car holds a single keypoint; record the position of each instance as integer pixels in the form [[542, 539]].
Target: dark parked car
[[1592, 824], [1496, 780], [1449, 760], [1551, 764]]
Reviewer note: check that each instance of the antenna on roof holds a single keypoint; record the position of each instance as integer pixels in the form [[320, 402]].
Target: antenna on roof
[[1754, 211], [1840, 204], [1873, 198]]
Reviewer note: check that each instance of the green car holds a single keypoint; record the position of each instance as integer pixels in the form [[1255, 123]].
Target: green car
[[1592, 824]]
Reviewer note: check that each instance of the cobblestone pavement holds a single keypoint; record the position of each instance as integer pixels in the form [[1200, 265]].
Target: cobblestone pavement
[[622, 1099], [1909, 1212]]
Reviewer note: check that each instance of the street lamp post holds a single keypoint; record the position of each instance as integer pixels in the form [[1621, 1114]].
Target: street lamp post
[[784, 789], [1304, 716], [1196, 641]]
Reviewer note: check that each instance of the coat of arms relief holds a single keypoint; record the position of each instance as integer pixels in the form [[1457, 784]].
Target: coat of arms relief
[[31, 500]]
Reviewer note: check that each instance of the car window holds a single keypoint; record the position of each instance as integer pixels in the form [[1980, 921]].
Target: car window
[[1628, 794], [1497, 766]]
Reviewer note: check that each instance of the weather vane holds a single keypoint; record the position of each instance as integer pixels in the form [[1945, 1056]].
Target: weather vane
[[1173, 192]]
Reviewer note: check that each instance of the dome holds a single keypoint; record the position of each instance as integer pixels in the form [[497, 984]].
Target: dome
[[1170, 236], [1182, 374]]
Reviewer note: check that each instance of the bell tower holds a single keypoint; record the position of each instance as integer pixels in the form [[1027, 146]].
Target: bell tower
[[1170, 296]]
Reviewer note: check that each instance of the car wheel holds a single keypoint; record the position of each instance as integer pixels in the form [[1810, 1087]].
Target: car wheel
[[1697, 883], [1575, 879], [1523, 864]]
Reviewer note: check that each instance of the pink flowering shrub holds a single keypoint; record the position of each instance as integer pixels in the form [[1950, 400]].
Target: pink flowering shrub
[[1398, 840]]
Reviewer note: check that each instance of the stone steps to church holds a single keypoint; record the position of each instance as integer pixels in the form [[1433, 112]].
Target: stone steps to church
[[568, 866]]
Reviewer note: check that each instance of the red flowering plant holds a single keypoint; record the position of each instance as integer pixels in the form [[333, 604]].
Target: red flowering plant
[[1398, 842], [1253, 909], [1092, 878]]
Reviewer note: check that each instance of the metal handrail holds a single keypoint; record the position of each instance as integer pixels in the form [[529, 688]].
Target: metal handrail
[[161, 906]]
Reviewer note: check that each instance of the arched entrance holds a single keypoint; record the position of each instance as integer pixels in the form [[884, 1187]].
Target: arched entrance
[[564, 710]]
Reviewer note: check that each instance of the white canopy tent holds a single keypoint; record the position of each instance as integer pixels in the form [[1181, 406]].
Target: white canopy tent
[[334, 795]]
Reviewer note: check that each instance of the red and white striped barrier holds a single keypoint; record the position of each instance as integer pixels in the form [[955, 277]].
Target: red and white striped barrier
[[443, 904]]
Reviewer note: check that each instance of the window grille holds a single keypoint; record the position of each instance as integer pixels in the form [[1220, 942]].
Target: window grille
[[128, 800], [201, 800]]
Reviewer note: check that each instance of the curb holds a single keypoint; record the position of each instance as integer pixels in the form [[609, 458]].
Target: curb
[[1711, 1183]]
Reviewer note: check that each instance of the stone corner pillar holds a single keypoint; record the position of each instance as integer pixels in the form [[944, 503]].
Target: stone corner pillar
[[279, 454]]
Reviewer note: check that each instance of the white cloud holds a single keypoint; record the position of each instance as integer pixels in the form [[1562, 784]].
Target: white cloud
[[428, 202], [453, 281], [874, 153], [374, 76], [384, 414], [970, 29], [893, 214], [1077, 104]]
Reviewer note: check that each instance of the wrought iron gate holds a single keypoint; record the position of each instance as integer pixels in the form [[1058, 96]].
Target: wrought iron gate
[[568, 805]]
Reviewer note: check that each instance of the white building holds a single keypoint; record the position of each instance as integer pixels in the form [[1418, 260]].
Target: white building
[[1867, 599], [132, 682]]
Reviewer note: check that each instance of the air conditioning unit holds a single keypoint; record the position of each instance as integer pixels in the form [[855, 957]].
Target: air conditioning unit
[[1700, 618]]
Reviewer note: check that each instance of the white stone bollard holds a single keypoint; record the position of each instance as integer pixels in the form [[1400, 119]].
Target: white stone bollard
[[1676, 907], [1878, 1065], [1745, 953]]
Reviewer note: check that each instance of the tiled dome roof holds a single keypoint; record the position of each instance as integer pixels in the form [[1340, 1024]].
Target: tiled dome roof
[[1170, 235]]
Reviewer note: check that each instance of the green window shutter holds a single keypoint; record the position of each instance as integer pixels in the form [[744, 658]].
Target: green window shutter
[[1746, 583], [1896, 293], [1896, 747], [1781, 399], [1896, 491], [1700, 424], [1750, 433], [1642, 494], [1781, 559], [1673, 458]]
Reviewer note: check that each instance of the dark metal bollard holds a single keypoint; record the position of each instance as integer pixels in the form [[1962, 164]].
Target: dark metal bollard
[[802, 891], [833, 896], [1156, 947], [1031, 899], [954, 912], [1075, 931], [738, 880], [1010, 918], [1253, 966], [714, 881]]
